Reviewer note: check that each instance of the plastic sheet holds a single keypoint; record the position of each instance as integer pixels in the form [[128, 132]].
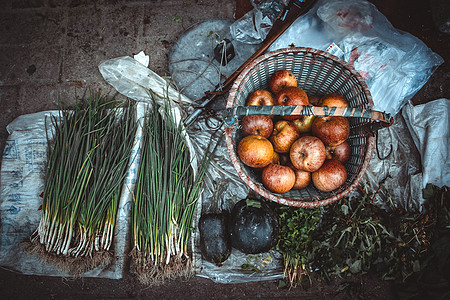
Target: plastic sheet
[[223, 187], [131, 78], [192, 63]]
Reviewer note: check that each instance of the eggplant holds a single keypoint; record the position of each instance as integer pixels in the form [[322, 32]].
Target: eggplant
[[253, 226], [215, 244]]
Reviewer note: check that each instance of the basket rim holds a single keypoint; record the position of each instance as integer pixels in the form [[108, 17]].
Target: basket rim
[[258, 187], [266, 56]]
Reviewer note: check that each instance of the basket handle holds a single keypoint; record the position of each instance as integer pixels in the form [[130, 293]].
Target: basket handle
[[231, 114]]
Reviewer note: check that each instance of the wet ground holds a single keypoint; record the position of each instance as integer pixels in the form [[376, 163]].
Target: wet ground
[[48, 48]]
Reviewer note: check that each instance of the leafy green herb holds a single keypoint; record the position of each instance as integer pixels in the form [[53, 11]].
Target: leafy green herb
[[357, 236], [432, 280], [295, 239], [348, 239]]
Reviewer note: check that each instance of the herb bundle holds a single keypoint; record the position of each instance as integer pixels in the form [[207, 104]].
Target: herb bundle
[[355, 236], [87, 163], [349, 238], [165, 198], [295, 239]]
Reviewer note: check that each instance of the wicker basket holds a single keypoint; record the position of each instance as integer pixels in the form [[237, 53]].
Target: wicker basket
[[317, 73]]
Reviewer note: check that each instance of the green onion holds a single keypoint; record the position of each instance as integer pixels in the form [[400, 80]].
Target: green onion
[[165, 198], [88, 159]]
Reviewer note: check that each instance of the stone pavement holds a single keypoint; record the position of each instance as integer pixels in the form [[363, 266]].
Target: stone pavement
[[49, 48]]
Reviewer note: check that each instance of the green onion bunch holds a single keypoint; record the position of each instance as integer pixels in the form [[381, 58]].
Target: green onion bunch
[[165, 198], [88, 159]]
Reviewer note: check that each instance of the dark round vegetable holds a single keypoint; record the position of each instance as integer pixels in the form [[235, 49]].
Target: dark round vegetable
[[253, 226], [215, 242]]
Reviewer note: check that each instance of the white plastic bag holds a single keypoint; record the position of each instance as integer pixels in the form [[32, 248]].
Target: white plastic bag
[[253, 27], [394, 169], [429, 127], [307, 31], [420, 141], [394, 63]]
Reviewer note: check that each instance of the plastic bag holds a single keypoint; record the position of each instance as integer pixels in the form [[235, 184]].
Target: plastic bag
[[133, 79], [307, 31], [420, 140], [394, 172], [429, 127], [253, 27], [394, 63]]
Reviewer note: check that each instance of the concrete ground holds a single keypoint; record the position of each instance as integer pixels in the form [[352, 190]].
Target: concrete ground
[[50, 47]]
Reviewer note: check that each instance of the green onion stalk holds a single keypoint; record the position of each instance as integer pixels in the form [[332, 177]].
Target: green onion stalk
[[88, 158], [165, 199]]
